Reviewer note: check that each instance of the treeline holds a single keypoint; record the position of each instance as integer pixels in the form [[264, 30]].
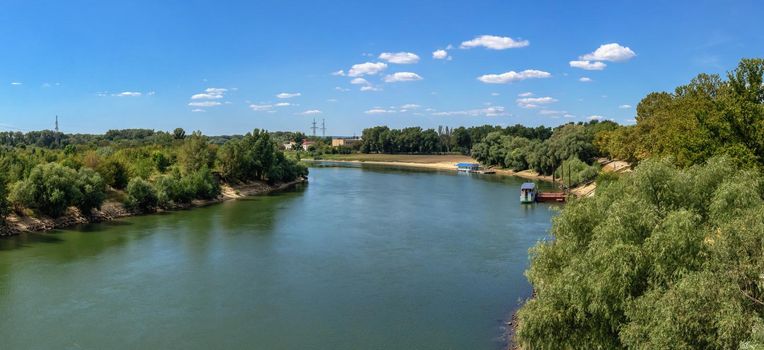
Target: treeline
[[709, 116], [671, 255], [382, 139], [161, 174]]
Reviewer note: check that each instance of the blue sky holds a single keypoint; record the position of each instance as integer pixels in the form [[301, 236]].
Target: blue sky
[[219, 66]]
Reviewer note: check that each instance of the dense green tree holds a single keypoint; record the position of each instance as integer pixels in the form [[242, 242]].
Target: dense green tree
[[114, 173], [4, 204], [51, 188], [179, 134], [196, 153], [661, 258], [141, 195]]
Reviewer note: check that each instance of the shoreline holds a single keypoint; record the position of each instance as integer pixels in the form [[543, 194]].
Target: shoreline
[[525, 174], [112, 210]]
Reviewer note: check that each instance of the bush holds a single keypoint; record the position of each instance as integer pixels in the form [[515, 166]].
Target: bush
[[51, 188], [576, 172], [114, 174], [3, 198], [141, 195], [200, 184], [662, 258]]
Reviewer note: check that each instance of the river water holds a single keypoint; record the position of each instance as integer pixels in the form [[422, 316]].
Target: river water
[[359, 258]]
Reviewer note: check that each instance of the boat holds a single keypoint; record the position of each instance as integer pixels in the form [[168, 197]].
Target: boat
[[468, 167], [528, 192]]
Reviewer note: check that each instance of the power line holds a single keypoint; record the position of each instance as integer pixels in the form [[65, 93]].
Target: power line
[[314, 127]]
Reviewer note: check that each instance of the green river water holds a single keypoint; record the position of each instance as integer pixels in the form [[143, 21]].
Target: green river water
[[358, 258]]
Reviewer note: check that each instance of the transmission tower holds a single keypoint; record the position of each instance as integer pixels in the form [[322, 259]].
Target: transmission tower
[[323, 127], [314, 127], [56, 123]]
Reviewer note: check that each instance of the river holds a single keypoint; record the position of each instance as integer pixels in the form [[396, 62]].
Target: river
[[360, 258]]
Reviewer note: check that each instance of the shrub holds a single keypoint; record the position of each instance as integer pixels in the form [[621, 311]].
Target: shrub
[[141, 195], [114, 174]]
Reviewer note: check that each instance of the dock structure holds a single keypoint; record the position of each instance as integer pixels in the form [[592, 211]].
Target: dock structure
[[558, 197]]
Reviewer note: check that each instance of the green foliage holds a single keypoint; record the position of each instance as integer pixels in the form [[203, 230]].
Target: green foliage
[[179, 134], [573, 171], [707, 117], [4, 204], [256, 157], [661, 258], [141, 195], [51, 188], [196, 153], [114, 174]]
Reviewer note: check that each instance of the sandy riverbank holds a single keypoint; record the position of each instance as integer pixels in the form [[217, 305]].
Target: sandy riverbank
[[112, 210]]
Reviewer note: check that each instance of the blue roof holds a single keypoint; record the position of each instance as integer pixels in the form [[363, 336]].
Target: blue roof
[[462, 165], [528, 186]]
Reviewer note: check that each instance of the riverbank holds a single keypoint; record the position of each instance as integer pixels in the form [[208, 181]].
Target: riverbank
[[434, 162], [112, 210]]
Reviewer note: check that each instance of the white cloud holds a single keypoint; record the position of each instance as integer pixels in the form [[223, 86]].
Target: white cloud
[[494, 111], [288, 94], [340, 73], [197, 110], [588, 65], [359, 81], [624, 106], [568, 116], [311, 112], [402, 76], [610, 52], [204, 104], [494, 42], [16, 83], [495, 94], [585, 79], [368, 68], [410, 106], [526, 94], [595, 117], [260, 108], [341, 89], [210, 94], [370, 88], [440, 54], [534, 102], [283, 104], [128, 94], [551, 112], [399, 57], [511, 76], [379, 111]]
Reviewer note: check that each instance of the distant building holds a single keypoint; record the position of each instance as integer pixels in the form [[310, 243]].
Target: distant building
[[289, 146], [346, 142], [306, 144]]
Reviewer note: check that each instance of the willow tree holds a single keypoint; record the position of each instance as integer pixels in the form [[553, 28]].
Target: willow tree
[[662, 258]]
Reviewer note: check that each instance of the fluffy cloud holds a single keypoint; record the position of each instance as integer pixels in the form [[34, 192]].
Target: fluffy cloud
[[595, 117], [340, 73], [534, 102], [410, 106], [585, 79], [359, 81], [440, 55], [370, 88], [612, 52], [402, 76], [204, 104], [197, 110], [288, 94], [551, 112], [16, 83], [210, 94], [399, 57], [494, 42], [511, 76], [341, 89], [260, 108], [368, 68], [128, 94], [311, 112], [526, 94], [493, 111], [624, 106], [588, 65], [379, 111], [283, 104]]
